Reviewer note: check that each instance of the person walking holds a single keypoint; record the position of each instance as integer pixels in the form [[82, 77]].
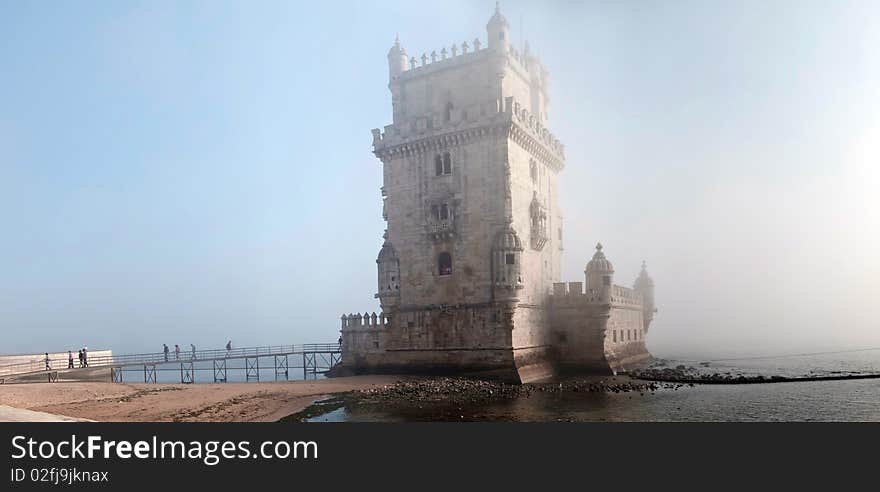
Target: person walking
[[228, 347], [193, 351], [48, 367], [165, 351], [82, 362], [176, 352], [86, 356], [70, 359]]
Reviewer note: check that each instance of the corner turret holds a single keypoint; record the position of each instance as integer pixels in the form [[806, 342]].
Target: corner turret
[[389, 276], [644, 284], [600, 276], [497, 29], [506, 264], [397, 60]]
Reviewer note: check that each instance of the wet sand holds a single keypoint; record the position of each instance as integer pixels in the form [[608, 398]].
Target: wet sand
[[224, 402]]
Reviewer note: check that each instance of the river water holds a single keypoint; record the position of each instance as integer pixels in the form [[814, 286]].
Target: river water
[[846, 400]]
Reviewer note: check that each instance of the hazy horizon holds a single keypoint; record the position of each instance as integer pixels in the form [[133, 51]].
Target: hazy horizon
[[198, 172]]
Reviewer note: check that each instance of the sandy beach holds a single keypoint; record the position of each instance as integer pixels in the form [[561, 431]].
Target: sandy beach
[[224, 402]]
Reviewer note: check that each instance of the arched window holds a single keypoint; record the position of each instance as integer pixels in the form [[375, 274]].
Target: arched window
[[447, 163], [444, 264], [448, 113], [438, 165]]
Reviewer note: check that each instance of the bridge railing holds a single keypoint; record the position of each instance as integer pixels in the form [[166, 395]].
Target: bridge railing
[[184, 356]]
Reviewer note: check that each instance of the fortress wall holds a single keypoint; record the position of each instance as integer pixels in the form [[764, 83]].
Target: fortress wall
[[624, 340], [578, 332], [540, 267], [412, 188], [466, 337]]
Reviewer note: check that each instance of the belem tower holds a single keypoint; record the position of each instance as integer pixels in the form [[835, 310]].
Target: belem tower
[[468, 275]]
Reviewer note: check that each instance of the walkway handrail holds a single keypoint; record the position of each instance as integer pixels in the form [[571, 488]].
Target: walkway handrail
[[184, 356]]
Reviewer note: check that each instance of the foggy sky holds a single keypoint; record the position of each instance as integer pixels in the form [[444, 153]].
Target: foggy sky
[[177, 173]]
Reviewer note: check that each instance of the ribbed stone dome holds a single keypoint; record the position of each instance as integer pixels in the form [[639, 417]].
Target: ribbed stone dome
[[387, 253], [599, 263], [507, 239]]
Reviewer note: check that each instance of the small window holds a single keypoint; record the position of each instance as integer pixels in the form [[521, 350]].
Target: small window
[[448, 114], [510, 259], [606, 281], [438, 165], [435, 212], [614, 334], [444, 212], [447, 163], [444, 264]]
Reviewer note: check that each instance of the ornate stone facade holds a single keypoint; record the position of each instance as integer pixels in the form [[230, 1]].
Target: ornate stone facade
[[468, 274]]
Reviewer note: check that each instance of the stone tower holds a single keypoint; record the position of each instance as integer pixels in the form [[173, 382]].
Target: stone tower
[[473, 234]]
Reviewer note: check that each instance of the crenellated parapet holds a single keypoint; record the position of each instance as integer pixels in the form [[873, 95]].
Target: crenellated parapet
[[495, 117], [364, 321]]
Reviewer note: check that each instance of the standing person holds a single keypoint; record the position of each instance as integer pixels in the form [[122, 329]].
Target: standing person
[[70, 359], [228, 347], [193, 351], [165, 351], [176, 352], [48, 367], [81, 360], [86, 356]]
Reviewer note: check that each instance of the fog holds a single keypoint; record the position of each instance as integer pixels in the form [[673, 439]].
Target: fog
[[177, 174]]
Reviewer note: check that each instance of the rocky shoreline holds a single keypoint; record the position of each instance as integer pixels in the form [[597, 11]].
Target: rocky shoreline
[[477, 391], [688, 375]]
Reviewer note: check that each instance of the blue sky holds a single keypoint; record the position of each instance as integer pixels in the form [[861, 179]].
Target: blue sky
[[177, 172]]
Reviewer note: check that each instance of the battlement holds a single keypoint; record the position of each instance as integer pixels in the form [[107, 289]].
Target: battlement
[[573, 293], [430, 131], [457, 55], [364, 321]]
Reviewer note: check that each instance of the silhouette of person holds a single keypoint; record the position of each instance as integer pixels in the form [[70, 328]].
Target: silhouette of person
[[176, 352], [228, 347], [70, 359], [193, 349], [48, 367], [165, 351]]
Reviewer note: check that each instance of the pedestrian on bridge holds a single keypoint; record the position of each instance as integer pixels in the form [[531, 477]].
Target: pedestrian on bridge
[[165, 351], [193, 349], [70, 359], [228, 347], [176, 352], [86, 356], [48, 367], [82, 360]]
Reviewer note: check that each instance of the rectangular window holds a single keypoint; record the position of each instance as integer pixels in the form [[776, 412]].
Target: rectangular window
[[444, 212], [614, 334], [510, 259]]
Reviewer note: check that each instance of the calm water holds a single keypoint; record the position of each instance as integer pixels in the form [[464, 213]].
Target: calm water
[[856, 400]]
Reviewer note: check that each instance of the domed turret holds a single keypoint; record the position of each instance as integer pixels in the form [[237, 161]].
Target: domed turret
[[506, 263], [497, 29], [599, 276], [645, 285], [389, 276]]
